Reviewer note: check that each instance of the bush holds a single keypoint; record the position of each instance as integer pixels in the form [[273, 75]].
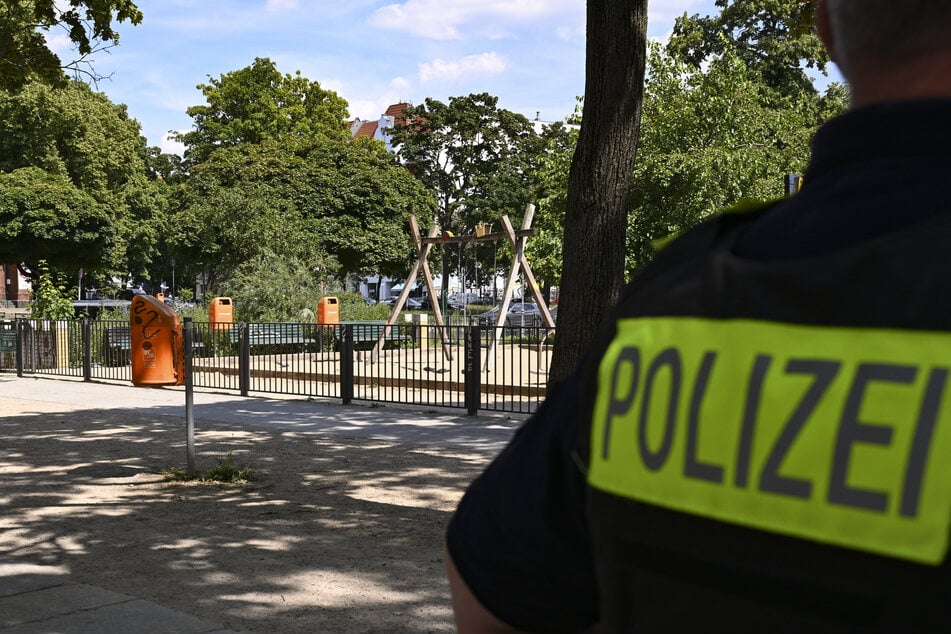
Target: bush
[[354, 308], [50, 301], [274, 289]]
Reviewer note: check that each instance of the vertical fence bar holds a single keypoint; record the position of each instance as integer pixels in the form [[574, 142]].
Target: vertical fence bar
[[244, 359], [346, 363], [87, 350], [473, 366], [20, 328]]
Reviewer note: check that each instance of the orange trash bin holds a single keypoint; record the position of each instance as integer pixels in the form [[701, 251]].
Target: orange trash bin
[[221, 313], [156, 338], [328, 311]]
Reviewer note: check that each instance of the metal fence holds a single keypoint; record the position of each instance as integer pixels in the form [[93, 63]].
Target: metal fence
[[462, 366]]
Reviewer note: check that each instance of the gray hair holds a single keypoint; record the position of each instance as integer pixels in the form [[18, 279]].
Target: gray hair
[[889, 32]]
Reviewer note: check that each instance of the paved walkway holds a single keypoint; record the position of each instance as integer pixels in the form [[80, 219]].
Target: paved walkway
[[42, 599]]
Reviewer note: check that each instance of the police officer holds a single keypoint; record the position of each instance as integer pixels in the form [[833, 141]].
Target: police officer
[[759, 441]]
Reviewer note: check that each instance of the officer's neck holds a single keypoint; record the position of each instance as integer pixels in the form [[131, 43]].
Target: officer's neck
[[928, 78]]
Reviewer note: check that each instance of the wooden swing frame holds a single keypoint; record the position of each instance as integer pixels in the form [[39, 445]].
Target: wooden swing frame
[[423, 245]]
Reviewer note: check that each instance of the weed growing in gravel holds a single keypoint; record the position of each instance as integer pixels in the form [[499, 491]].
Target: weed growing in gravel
[[225, 470]]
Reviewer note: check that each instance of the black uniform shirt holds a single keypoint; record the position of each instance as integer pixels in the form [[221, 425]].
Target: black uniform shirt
[[519, 537]]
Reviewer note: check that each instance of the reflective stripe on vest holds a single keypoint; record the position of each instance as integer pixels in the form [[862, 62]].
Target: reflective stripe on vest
[[836, 435]]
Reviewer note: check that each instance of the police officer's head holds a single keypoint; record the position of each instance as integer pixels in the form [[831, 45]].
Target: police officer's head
[[889, 48]]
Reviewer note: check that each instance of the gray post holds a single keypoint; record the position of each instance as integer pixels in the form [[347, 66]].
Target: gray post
[[189, 400]]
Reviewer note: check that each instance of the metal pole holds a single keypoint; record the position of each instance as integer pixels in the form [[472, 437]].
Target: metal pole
[[189, 401], [244, 358], [21, 345], [473, 364], [87, 350], [346, 363]]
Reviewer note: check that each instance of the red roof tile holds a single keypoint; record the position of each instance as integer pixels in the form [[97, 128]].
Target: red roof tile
[[368, 129], [396, 111]]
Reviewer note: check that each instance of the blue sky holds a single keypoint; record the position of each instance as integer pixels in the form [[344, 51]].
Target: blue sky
[[528, 53]]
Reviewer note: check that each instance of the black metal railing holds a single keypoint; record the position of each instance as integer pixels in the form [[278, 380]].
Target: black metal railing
[[461, 366]]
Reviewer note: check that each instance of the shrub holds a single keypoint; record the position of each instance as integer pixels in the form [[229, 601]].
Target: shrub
[[50, 300]]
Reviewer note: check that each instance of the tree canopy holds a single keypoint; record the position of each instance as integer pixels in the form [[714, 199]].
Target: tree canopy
[[728, 108], [476, 157], [480, 161], [72, 131], [257, 103], [24, 54], [273, 172], [341, 206], [87, 149], [545, 250], [710, 138], [772, 37], [44, 216]]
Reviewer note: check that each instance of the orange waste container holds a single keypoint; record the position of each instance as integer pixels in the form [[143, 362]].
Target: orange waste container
[[156, 337], [328, 311], [221, 313]]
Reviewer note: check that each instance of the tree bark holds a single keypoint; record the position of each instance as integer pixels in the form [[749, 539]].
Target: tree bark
[[599, 182]]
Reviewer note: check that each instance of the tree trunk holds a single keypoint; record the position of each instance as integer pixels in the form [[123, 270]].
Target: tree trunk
[[599, 182]]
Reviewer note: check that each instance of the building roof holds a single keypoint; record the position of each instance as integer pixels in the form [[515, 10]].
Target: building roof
[[396, 111], [367, 129], [393, 116]]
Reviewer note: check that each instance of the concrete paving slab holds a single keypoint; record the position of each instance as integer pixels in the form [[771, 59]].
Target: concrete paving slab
[[20, 577], [37, 599], [131, 617], [49, 603]]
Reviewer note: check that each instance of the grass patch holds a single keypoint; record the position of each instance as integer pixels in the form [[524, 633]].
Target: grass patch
[[226, 470]]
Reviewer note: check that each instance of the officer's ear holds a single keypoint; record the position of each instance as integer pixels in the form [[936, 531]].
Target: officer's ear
[[824, 28]]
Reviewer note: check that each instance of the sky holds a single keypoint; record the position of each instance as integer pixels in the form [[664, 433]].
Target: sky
[[373, 53]]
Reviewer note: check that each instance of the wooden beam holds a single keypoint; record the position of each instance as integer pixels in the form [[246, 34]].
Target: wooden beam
[[489, 237], [422, 264]]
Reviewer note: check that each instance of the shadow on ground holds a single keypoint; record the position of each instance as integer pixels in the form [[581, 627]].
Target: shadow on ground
[[338, 534]]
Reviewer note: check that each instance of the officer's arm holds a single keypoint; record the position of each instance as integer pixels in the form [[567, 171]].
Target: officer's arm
[[471, 616]]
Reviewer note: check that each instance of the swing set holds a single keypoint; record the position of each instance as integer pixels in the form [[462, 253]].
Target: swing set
[[423, 245]]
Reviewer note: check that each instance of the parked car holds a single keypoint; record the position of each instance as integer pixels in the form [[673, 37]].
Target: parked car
[[464, 298], [428, 305], [178, 304], [520, 314], [129, 293], [411, 304]]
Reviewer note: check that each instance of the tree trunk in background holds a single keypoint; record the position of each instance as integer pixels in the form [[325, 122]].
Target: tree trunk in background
[[600, 179]]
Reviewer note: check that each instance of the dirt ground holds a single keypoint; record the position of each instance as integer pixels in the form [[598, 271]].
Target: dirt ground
[[336, 535]]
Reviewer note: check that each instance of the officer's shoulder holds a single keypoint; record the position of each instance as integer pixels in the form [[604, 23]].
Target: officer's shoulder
[[714, 227]]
